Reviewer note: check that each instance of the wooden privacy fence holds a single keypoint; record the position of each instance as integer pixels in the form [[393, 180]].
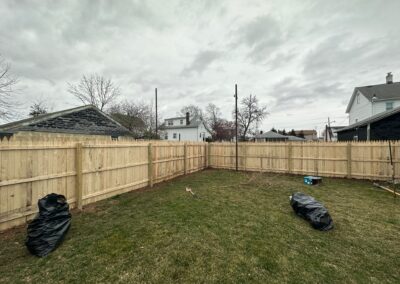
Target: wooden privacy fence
[[85, 173], [361, 160]]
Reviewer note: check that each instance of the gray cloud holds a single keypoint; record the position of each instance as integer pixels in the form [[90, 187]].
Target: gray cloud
[[201, 61], [262, 35], [301, 58]]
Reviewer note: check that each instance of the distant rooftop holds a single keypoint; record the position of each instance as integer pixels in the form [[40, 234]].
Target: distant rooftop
[[87, 120]]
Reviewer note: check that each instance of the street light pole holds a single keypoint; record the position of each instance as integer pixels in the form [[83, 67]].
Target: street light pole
[[236, 127]]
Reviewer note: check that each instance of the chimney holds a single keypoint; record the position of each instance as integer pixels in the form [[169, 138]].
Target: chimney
[[389, 78], [187, 118]]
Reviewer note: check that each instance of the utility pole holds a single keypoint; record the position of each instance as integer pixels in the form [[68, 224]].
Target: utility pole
[[329, 129], [156, 114], [236, 127]]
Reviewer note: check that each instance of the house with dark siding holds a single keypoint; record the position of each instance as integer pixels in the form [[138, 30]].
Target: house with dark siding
[[84, 120], [382, 126]]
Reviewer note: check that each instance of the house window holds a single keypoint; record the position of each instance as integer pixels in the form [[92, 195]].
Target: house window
[[174, 136], [358, 98], [166, 136], [181, 121], [170, 122], [389, 105]]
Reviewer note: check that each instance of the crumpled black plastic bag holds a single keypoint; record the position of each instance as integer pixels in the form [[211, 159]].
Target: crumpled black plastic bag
[[313, 211], [48, 229]]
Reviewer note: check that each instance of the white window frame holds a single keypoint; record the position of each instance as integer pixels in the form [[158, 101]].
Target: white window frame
[[389, 103]]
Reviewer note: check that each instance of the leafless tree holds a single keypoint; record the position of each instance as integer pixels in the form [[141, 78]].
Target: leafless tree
[[38, 108], [250, 114], [213, 119], [138, 117], [96, 90], [7, 84], [194, 111], [224, 131]]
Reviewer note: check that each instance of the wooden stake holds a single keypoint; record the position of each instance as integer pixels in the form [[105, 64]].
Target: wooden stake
[[387, 189]]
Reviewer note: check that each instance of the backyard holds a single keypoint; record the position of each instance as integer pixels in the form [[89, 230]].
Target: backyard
[[238, 228]]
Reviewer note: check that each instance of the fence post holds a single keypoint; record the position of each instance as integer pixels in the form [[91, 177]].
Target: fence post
[[150, 168], [185, 158], [245, 156], [205, 156], [209, 155], [349, 160], [290, 154], [79, 176]]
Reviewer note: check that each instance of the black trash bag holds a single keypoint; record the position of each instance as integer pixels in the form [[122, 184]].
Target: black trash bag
[[313, 211], [48, 229]]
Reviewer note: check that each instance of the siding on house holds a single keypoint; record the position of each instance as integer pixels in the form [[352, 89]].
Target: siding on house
[[180, 131], [361, 108], [187, 134], [383, 126]]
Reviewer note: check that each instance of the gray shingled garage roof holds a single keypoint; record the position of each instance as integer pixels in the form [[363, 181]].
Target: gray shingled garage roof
[[87, 120]]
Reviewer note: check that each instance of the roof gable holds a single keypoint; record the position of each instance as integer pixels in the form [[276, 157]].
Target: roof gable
[[382, 92], [195, 122], [82, 120]]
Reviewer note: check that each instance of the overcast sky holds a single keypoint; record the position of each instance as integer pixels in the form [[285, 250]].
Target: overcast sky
[[300, 58]]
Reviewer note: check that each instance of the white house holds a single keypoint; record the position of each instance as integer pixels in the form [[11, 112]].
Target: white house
[[185, 129], [370, 100]]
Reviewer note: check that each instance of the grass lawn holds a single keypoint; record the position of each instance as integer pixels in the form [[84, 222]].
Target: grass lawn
[[241, 229]]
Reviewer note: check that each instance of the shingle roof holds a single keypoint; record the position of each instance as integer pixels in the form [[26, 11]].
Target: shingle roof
[[178, 117], [81, 120], [371, 119], [193, 123], [381, 91], [271, 135]]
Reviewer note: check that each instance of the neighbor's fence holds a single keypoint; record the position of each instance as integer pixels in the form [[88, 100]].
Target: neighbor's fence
[[361, 160], [85, 172]]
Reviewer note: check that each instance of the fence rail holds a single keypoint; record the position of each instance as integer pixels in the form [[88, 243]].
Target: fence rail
[[86, 171]]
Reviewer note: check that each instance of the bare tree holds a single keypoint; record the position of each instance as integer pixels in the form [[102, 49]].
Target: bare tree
[[250, 114], [96, 90], [213, 119], [138, 117], [38, 108], [7, 84], [194, 111], [224, 131]]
